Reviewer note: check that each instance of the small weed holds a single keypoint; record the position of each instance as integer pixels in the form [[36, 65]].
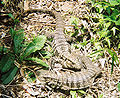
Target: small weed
[[73, 94], [109, 22], [11, 61], [74, 21], [118, 86], [15, 20], [100, 96]]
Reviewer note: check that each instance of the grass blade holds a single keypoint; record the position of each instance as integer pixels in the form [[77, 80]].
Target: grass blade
[[38, 61]]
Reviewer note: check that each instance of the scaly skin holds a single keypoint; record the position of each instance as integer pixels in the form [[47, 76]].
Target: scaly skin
[[67, 79], [62, 48]]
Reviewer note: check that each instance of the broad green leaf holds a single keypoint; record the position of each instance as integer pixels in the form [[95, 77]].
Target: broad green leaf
[[9, 76], [18, 39], [81, 91], [100, 8], [74, 20], [119, 45], [114, 30], [61, 96], [108, 9], [6, 62], [84, 43], [107, 24], [113, 2], [117, 22], [2, 2], [118, 86], [30, 76], [12, 32], [100, 96], [110, 18], [35, 45], [29, 79], [103, 33], [46, 54], [92, 40], [108, 41], [113, 18], [106, 3], [73, 93], [10, 15], [16, 21], [118, 1], [76, 31], [115, 12], [3, 49], [38, 61]]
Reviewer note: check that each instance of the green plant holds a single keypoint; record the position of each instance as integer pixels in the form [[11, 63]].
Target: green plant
[[100, 96], [118, 86], [73, 94], [78, 92], [12, 17], [74, 21], [109, 22], [106, 31], [11, 59]]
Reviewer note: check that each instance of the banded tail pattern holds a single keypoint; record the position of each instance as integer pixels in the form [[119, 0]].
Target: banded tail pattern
[[68, 80], [60, 45]]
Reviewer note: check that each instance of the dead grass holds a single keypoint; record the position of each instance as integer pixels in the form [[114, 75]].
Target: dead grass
[[35, 24]]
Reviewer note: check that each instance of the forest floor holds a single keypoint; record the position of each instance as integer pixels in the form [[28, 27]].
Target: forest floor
[[36, 23]]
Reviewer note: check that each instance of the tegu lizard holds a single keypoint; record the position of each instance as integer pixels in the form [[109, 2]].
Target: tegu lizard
[[82, 71]]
